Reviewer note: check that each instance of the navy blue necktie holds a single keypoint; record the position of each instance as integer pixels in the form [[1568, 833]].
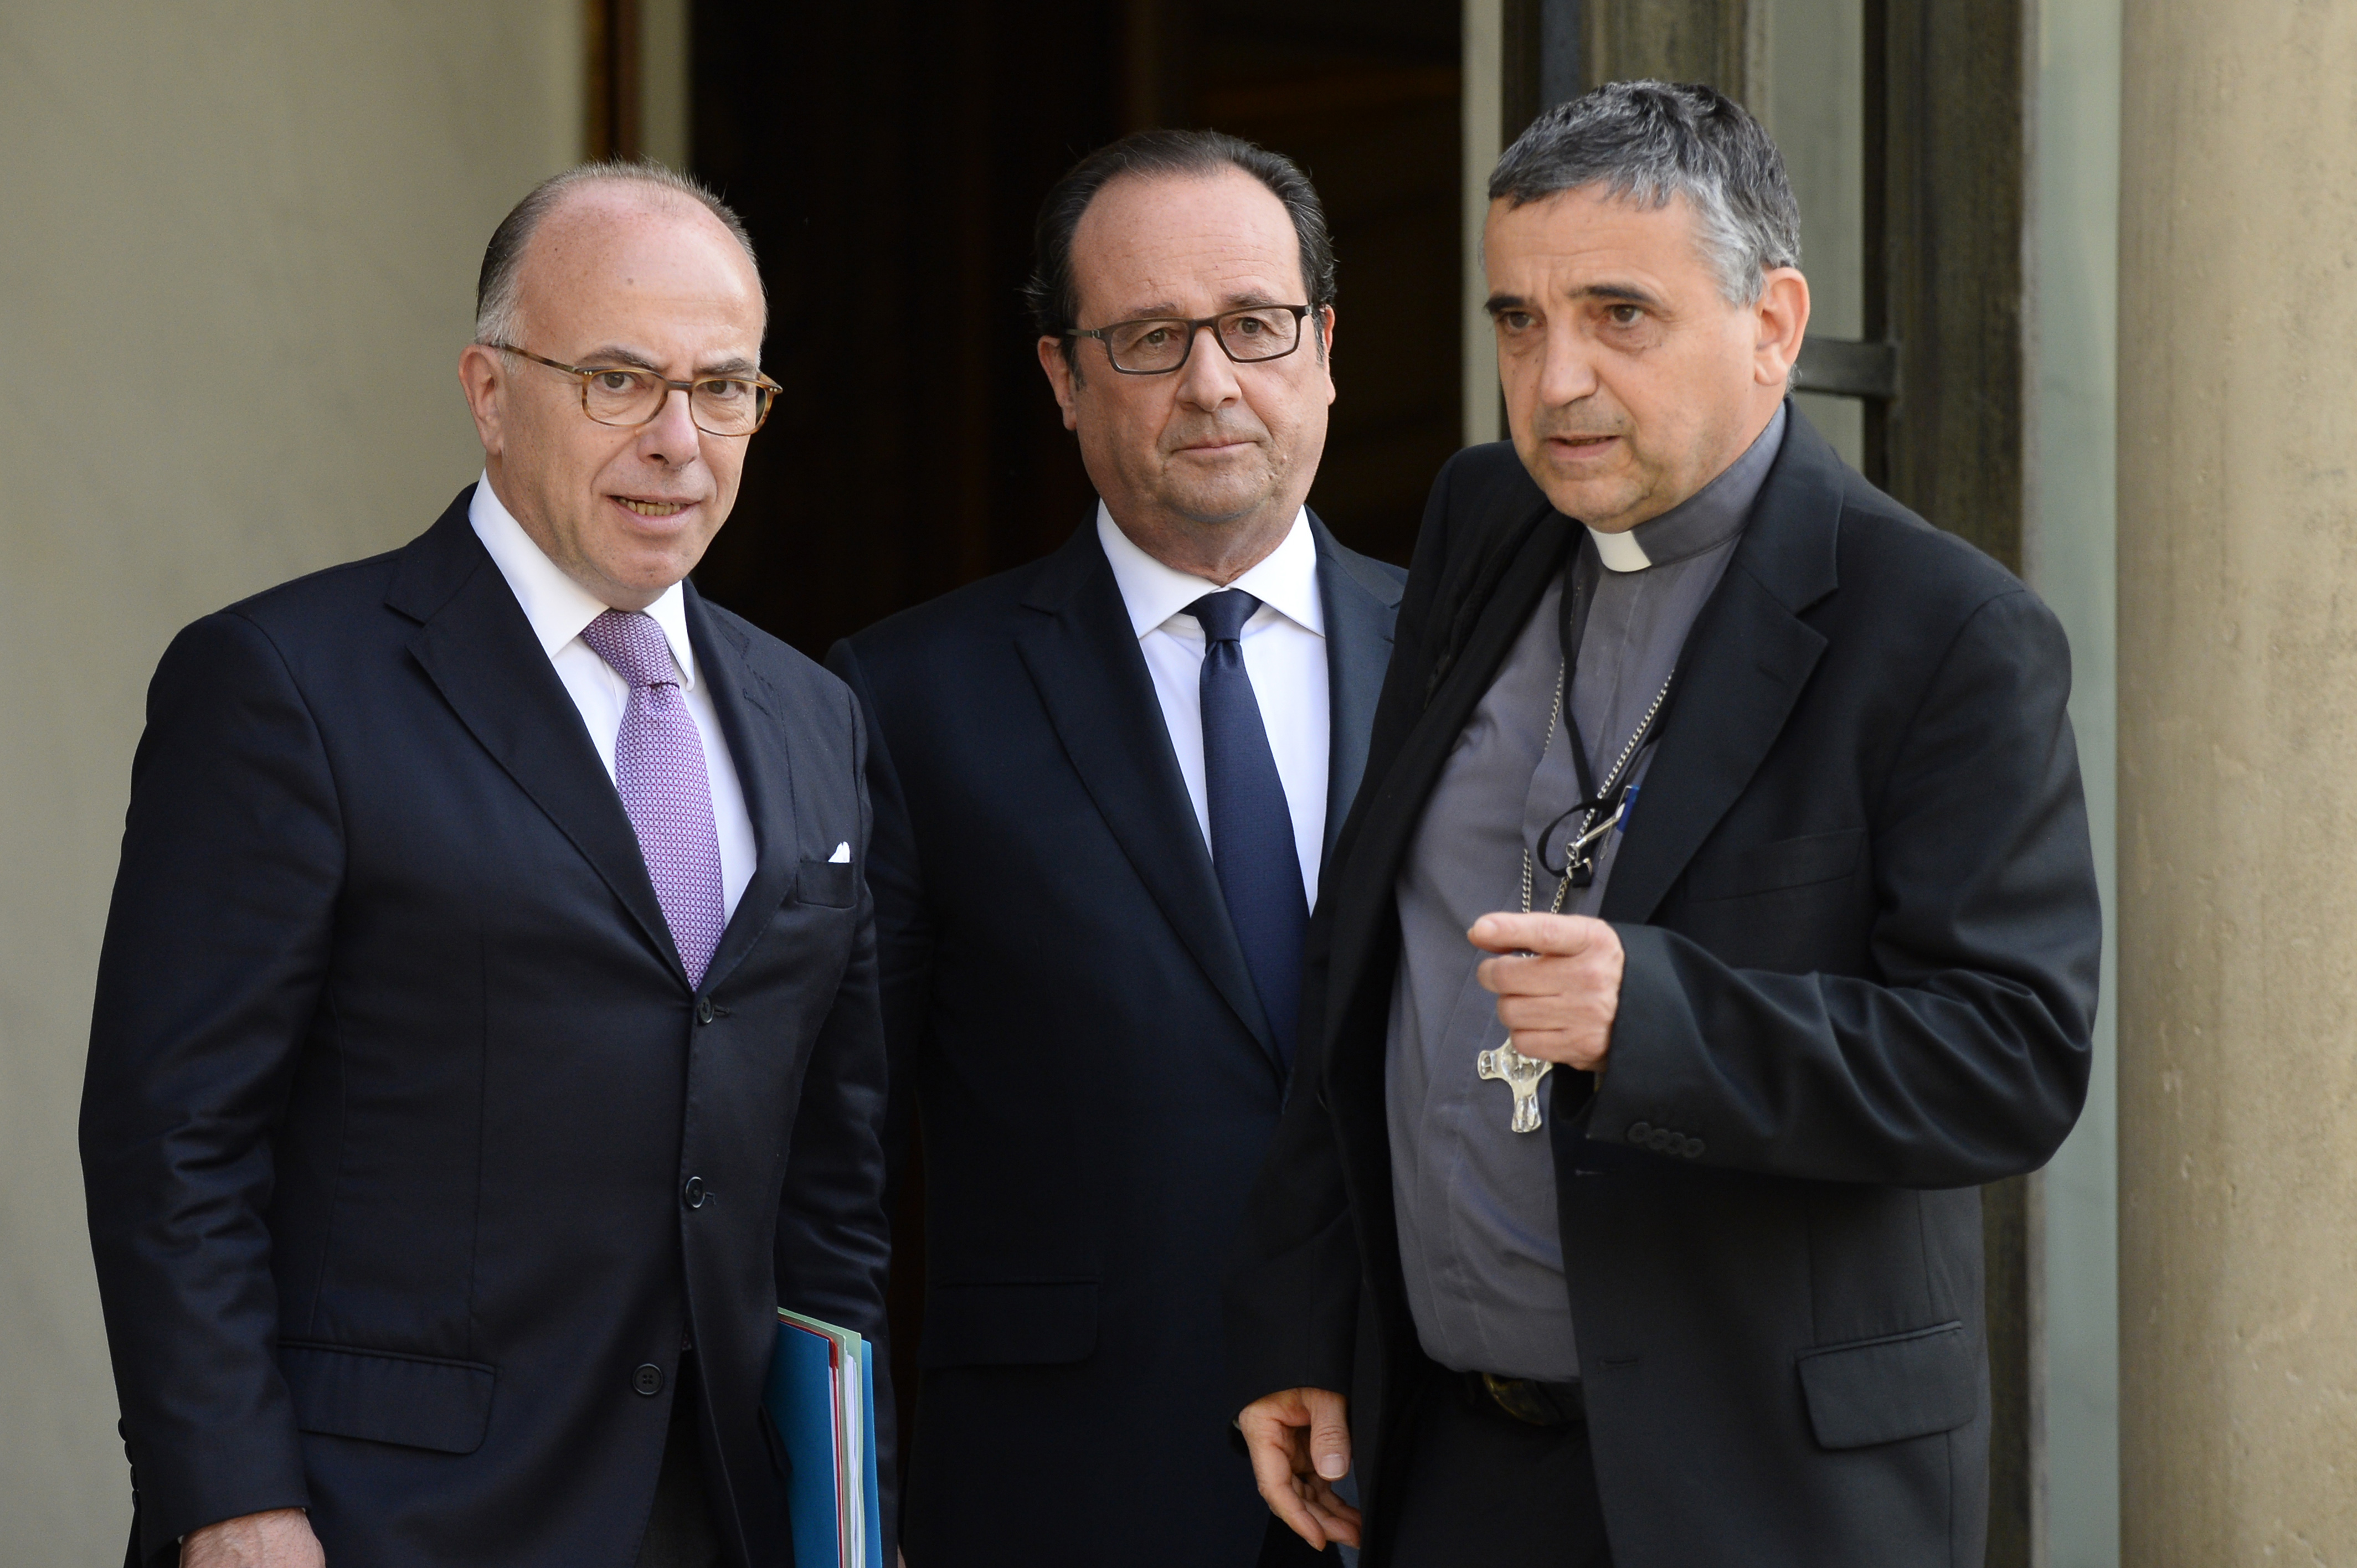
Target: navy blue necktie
[[1251, 827]]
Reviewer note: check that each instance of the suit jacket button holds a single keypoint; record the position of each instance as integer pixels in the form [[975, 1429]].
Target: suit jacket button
[[647, 1381], [693, 1193], [1640, 1132], [1693, 1150], [703, 1009], [1663, 1141]]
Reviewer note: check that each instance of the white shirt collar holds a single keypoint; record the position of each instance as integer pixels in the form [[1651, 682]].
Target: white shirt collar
[[1285, 579], [558, 606]]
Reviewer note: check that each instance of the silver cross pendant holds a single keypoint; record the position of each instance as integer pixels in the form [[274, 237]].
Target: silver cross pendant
[[1521, 1074]]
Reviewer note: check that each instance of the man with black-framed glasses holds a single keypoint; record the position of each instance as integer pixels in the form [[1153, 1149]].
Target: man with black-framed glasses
[[486, 1039], [1105, 784]]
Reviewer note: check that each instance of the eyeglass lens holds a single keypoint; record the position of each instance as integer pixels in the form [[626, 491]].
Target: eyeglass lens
[[634, 397], [1246, 335]]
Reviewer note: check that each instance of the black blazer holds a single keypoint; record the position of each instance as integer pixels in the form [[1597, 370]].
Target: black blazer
[[397, 1081], [1859, 911], [1067, 1003]]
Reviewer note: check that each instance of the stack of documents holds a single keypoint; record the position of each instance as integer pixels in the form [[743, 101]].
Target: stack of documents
[[821, 1396]]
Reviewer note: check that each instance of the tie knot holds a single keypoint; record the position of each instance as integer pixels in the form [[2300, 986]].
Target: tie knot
[[631, 642], [1222, 615]]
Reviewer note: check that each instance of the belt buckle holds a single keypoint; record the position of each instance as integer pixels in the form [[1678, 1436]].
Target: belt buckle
[[1525, 1399]]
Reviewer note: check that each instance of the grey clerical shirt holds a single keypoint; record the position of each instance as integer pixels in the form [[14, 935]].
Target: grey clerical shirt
[[1477, 1200]]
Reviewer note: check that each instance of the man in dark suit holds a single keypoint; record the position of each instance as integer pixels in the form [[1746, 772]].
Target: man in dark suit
[[486, 1038], [1654, 1239], [1105, 784]]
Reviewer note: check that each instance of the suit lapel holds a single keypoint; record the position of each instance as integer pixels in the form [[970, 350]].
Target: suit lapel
[[478, 649], [1366, 916], [1746, 662], [1084, 658], [750, 722], [1358, 651]]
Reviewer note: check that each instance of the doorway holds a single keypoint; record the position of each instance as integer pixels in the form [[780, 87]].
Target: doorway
[[890, 159]]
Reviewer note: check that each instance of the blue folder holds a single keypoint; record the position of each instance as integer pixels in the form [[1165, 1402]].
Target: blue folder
[[875, 1554], [821, 1398]]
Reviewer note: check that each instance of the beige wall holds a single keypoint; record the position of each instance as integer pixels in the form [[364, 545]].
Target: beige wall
[[2238, 783], [237, 252]]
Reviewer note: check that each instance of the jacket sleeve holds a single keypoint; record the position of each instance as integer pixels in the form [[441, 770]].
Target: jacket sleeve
[[1292, 1287], [1965, 1058], [833, 1243], [904, 933], [216, 945], [1294, 1277]]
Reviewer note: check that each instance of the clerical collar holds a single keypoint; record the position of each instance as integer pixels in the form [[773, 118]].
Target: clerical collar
[[1710, 517]]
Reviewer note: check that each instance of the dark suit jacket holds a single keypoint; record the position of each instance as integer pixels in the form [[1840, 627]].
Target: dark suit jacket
[[1859, 913], [395, 1081], [1066, 1000]]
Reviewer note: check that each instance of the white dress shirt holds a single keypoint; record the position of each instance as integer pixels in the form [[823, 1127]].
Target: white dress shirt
[[1284, 654], [558, 608]]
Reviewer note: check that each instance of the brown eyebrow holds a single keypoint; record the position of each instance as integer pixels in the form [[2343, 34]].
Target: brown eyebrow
[[1618, 292], [1621, 292], [615, 354], [1158, 311], [1168, 310]]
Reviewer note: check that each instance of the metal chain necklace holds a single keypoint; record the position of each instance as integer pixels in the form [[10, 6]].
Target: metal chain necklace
[[1521, 1073], [1579, 849]]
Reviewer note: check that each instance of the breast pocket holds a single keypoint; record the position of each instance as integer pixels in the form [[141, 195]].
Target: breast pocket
[[833, 884], [1773, 868]]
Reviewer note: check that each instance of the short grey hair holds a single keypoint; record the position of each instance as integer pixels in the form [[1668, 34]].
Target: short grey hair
[[496, 287], [1646, 142]]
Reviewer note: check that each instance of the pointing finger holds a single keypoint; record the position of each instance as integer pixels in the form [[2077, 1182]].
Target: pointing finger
[[1559, 935]]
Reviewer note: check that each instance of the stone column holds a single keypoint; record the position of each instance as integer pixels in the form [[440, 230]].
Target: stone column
[[2237, 972]]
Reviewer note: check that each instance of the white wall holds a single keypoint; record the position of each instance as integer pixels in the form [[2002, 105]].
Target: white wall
[[238, 243]]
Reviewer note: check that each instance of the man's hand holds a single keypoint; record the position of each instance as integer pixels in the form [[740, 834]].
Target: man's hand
[[1300, 1445], [279, 1539], [1559, 990]]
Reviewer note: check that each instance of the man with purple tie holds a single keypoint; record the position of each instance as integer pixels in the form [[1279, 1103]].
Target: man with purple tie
[[486, 1038]]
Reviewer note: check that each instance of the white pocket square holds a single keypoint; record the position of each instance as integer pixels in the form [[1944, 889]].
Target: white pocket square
[[842, 856]]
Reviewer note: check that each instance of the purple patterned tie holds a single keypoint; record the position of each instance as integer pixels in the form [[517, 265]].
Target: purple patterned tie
[[659, 768]]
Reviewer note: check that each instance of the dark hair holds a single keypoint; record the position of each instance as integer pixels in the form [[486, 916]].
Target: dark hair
[[1146, 155], [1648, 141], [496, 285]]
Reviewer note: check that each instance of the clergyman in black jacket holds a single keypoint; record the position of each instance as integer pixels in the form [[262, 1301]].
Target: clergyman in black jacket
[[1653, 1237], [486, 1038], [1105, 784]]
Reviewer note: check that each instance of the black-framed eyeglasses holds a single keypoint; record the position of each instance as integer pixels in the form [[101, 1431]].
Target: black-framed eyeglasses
[[628, 397], [1156, 346]]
